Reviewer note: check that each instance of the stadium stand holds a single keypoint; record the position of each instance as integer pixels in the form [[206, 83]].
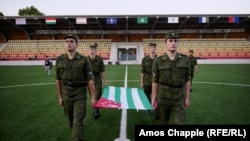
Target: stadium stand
[[236, 48], [38, 49], [33, 39]]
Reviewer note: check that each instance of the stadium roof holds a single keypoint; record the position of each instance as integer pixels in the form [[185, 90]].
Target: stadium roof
[[125, 24]]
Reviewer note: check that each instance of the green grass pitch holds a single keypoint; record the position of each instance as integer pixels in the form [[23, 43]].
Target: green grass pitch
[[29, 107]]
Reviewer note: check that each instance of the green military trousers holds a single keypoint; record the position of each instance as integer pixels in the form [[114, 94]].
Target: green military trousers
[[75, 111]]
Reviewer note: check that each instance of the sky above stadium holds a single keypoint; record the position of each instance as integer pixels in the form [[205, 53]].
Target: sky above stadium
[[127, 7]]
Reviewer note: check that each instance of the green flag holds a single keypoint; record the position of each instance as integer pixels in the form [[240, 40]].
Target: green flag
[[142, 20]]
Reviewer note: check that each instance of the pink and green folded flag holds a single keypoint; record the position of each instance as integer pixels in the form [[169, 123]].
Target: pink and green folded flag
[[124, 98]]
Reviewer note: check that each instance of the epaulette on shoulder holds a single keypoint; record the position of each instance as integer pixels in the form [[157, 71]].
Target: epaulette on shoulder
[[99, 56], [146, 56], [184, 55], [82, 56], [158, 56], [62, 56]]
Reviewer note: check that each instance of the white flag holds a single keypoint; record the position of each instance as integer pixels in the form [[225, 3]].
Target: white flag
[[124, 98], [81, 20], [20, 21], [173, 19]]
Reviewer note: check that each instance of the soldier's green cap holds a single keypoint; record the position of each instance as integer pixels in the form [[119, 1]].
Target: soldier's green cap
[[170, 35], [93, 45], [152, 44], [71, 36]]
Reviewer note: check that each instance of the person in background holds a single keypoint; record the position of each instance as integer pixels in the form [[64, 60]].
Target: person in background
[[73, 77], [47, 65], [193, 65], [146, 74], [98, 69], [171, 82]]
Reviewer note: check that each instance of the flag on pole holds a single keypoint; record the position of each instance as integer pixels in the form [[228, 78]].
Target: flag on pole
[[203, 19], [142, 20], [233, 19], [173, 19], [124, 98], [111, 20], [20, 21], [81, 20], [50, 20]]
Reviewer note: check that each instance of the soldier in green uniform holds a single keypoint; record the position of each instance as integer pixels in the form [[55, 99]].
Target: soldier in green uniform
[[171, 82], [146, 73], [73, 76], [98, 69], [193, 65]]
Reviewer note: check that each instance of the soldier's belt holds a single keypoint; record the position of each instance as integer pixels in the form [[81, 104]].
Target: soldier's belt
[[96, 73], [171, 85], [149, 74], [74, 85]]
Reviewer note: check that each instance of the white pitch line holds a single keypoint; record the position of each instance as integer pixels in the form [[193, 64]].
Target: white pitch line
[[123, 129], [218, 83], [212, 83], [25, 85]]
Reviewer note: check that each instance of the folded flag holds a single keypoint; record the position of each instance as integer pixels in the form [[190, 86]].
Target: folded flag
[[124, 98]]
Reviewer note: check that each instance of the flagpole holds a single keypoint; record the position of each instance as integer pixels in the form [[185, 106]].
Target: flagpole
[[123, 129]]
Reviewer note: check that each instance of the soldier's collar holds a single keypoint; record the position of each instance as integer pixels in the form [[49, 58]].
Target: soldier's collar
[[95, 57], [177, 56], [77, 55]]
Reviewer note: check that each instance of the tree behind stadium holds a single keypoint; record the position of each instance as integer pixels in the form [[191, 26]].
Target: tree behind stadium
[[29, 11]]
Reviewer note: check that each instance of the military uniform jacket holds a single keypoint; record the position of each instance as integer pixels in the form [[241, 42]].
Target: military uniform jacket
[[98, 67], [192, 62], [77, 70], [168, 72], [146, 68]]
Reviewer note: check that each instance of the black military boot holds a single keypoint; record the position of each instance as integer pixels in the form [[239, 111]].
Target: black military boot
[[96, 113]]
